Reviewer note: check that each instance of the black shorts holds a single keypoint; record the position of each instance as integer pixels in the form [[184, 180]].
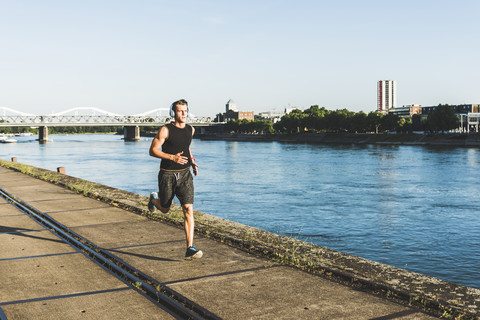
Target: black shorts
[[175, 183]]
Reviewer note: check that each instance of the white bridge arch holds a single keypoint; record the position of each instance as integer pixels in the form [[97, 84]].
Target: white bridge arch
[[89, 116], [85, 111]]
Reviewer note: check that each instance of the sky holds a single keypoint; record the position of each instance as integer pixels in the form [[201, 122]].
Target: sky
[[130, 57]]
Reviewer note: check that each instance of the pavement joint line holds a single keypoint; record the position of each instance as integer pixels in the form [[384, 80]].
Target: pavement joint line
[[22, 186], [84, 209], [41, 238], [64, 296], [23, 231], [396, 315], [146, 244], [96, 224], [12, 215], [144, 256], [221, 274], [41, 256], [46, 200]]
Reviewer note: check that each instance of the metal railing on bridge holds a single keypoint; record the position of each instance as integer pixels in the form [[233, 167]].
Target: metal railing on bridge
[[92, 117]]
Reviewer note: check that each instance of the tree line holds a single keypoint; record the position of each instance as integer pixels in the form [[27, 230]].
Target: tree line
[[313, 119], [316, 119]]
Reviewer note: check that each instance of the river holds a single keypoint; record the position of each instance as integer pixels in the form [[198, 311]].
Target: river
[[412, 207]]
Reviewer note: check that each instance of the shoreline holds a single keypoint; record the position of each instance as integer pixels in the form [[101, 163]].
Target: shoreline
[[412, 139], [439, 296], [447, 139]]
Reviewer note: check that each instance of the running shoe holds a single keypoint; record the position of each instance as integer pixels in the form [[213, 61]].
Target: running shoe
[[151, 206], [193, 253]]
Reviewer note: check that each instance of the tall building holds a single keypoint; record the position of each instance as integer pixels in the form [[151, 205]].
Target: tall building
[[231, 106], [386, 95]]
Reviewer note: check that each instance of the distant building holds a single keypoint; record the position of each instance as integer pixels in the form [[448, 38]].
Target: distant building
[[231, 105], [386, 95], [238, 115], [288, 110], [273, 116], [458, 108], [407, 111], [248, 115], [232, 113]]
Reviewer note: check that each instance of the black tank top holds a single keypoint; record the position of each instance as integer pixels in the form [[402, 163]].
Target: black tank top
[[178, 140]]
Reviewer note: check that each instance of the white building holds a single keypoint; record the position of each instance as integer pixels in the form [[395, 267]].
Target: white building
[[386, 95], [271, 115], [231, 105]]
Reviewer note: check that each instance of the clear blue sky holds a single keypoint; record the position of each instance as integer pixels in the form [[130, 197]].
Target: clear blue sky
[[133, 56]]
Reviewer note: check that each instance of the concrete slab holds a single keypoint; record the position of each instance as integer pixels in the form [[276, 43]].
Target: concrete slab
[[285, 293], [99, 215], [13, 223], [39, 193], [18, 180], [126, 233], [74, 202], [166, 262], [119, 305], [22, 185], [28, 244], [68, 287], [6, 209], [41, 277], [19, 183]]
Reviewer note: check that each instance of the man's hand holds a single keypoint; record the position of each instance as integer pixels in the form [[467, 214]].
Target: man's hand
[[194, 166], [178, 158]]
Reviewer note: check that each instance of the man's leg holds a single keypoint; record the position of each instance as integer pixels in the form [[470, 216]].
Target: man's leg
[[166, 188], [189, 223], [156, 203]]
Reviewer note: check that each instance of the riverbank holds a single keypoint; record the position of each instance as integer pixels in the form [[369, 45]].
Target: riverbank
[[442, 297], [448, 139]]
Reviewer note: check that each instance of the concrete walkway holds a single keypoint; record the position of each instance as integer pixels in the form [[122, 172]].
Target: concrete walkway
[[43, 278]]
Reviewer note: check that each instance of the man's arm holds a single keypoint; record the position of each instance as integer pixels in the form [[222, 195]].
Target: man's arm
[[156, 148], [194, 164]]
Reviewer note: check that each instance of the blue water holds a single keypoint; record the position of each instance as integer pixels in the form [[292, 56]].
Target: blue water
[[412, 207]]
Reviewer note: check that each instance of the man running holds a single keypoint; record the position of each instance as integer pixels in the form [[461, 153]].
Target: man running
[[174, 178]]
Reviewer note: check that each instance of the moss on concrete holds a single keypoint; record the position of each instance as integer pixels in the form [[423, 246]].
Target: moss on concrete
[[446, 299]]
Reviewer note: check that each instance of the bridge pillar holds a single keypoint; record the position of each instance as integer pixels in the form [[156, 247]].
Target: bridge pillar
[[43, 134], [131, 133]]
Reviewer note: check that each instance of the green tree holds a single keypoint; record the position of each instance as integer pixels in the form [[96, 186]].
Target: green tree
[[314, 118], [418, 123], [374, 120], [359, 122], [443, 118], [293, 122], [246, 126], [391, 122]]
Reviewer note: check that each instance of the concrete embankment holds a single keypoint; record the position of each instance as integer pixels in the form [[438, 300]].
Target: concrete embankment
[[436, 296], [454, 140]]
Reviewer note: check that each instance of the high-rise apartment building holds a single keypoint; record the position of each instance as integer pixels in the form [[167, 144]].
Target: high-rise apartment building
[[386, 95]]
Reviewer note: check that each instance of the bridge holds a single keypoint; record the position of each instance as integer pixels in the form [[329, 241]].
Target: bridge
[[94, 117]]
